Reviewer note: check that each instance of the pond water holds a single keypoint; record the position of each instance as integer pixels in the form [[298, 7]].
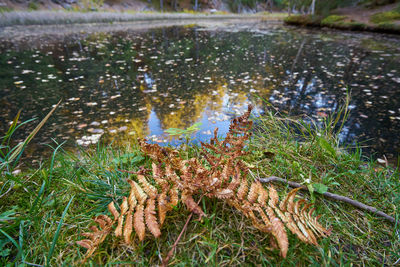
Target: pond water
[[120, 85]]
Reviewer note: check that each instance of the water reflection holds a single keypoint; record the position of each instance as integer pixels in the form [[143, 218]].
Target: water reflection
[[124, 85]]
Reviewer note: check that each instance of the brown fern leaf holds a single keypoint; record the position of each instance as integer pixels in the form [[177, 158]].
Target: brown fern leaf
[[262, 195], [220, 173], [188, 200], [278, 231], [273, 196], [223, 193], [253, 193], [243, 189], [128, 227], [287, 204], [151, 220], [173, 196], [138, 192], [163, 206], [96, 237], [150, 190], [132, 201], [262, 227], [124, 209], [138, 222], [291, 225], [113, 210]]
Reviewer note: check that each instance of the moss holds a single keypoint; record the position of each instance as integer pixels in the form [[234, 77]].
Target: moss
[[388, 26], [350, 25], [332, 19], [303, 20], [341, 22], [384, 17]]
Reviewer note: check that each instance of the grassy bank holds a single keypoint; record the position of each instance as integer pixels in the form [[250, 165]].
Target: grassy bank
[[65, 17], [44, 210], [385, 22]]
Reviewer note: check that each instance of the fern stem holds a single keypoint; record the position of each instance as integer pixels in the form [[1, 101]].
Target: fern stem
[[350, 201], [171, 252]]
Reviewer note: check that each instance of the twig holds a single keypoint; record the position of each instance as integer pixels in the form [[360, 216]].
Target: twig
[[332, 196], [132, 172], [171, 252], [32, 264]]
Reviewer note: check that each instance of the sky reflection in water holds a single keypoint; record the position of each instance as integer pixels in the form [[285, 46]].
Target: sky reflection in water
[[119, 86]]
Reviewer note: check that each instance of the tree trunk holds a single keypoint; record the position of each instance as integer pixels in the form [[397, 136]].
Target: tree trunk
[[313, 7], [269, 5], [289, 9], [196, 5], [161, 5]]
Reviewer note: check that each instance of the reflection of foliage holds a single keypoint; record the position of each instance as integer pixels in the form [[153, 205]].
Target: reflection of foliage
[[186, 133], [179, 73]]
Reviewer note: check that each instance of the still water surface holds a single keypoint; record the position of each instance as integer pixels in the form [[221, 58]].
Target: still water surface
[[122, 85]]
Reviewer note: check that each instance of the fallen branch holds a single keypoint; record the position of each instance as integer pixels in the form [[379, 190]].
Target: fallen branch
[[332, 196], [171, 252]]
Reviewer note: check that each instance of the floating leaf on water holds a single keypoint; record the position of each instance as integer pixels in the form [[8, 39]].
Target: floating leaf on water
[[90, 104], [82, 125]]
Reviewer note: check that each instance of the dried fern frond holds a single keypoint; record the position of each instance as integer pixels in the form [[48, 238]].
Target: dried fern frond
[[220, 173]]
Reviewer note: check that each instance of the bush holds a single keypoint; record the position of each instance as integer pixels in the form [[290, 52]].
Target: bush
[[33, 6], [5, 9]]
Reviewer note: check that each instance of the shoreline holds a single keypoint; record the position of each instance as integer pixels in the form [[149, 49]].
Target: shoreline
[[15, 18], [86, 20], [35, 35], [342, 22]]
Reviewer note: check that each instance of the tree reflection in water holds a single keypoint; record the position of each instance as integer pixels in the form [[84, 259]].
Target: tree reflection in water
[[135, 84]]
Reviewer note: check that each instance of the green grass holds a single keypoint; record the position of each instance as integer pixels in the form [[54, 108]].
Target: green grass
[[42, 216], [385, 17]]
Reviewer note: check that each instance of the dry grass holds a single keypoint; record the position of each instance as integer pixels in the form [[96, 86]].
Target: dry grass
[[63, 17]]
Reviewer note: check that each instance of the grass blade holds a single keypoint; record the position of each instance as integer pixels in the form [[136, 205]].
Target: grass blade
[[12, 127], [53, 245], [12, 241], [33, 208], [52, 161], [22, 145]]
